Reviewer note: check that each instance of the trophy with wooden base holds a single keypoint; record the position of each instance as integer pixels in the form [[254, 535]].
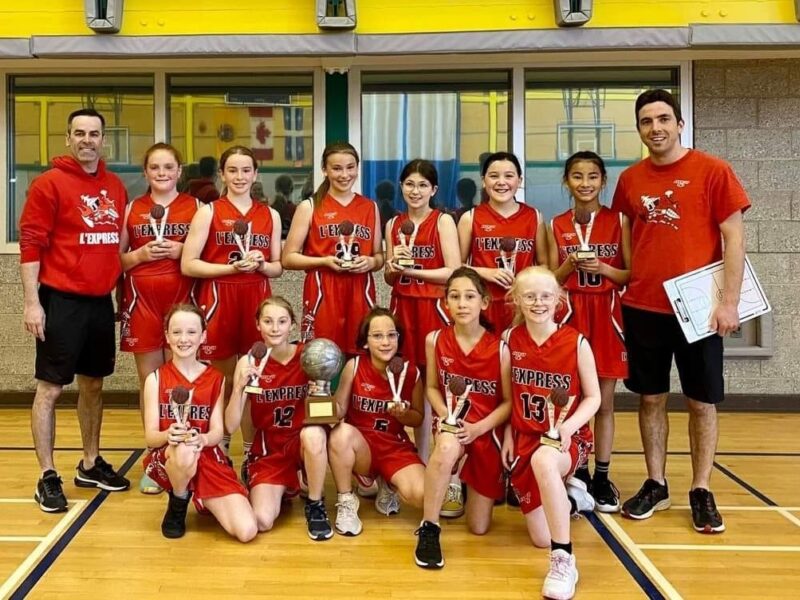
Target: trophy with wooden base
[[396, 373], [346, 239], [257, 357], [407, 236], [560, 398], [180, 404], [582, 217], [458, 404], [321, 360], [508, 254], [158, 221]]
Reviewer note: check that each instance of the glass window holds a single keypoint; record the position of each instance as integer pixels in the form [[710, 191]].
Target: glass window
[[270, 113], [450, 118], [588, 109], [38, 111]]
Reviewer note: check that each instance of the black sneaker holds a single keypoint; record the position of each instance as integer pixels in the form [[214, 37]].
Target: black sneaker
[[511, 494], [582, 474], [606, 496], [102, 475], [173, 525], [428, 554], [705, 516], [244, 472], [319, 527], [652, 497], [49, 494]]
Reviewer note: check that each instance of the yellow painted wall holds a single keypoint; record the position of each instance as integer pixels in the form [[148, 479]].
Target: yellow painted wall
[[181, 17]]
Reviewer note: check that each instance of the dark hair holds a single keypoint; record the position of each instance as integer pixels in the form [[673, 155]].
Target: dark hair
[[284, 185], [162, 146], [422, 167], [189, 308], [85, 112], [385, 191], [664, 96], [471, 274], [374, 313], [275, 301], [206, 166], [335, 148], [497, 156], [466, 190], [243, 150], [584, 156]]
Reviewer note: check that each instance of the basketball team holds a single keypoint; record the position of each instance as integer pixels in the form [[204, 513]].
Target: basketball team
[[512, 334]]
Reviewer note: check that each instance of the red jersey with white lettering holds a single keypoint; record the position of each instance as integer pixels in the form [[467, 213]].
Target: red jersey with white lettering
[[427, 253], [204, 395], [323, 232], [221, 247], [178, 215], [371, 393], [605, 239], [489, 227]]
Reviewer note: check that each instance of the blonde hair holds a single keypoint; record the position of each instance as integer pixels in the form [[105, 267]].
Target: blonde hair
[[276, 301], [526, 273]]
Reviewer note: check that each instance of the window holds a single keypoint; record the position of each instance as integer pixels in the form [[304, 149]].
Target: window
[[38, 111]]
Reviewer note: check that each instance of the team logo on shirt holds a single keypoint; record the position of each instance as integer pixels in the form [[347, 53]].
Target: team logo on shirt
[[681, 182], [568, 236], [330, 215], [368, 387], [447, 361], [519, 355], [488, 228], [98, 210], [661, 209]]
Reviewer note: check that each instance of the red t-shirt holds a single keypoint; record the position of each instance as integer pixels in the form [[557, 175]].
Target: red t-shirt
[[427, 253], [675, 212], [205, 393]]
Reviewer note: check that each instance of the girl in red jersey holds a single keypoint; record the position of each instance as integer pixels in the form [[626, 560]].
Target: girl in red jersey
[[233, 248], [594, 306], [417, 288], [372, 441], [336, 239], [502, 236], [469, 351], [282, 446], [186, 459], [150, 252], [548, 363]]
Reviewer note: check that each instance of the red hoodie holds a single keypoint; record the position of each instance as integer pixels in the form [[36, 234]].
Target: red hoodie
[[70, 224]]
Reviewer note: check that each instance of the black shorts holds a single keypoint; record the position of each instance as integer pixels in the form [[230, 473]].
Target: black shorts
[[78, 337], [652, 339]]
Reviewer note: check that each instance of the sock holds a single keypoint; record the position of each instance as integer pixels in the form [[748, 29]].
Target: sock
[[183, 495], [341, 495], [225, 444], [565, 547], [310, 501], [601, 470], [246, 447], [582, 473]]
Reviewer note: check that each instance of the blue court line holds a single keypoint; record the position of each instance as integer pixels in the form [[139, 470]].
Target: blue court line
[[765, 499], [61, 544]]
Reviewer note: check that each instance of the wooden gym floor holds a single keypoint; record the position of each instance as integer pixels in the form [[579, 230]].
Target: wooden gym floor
[[110, 545]]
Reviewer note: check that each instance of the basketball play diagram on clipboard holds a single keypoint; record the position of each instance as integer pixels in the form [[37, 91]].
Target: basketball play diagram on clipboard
[[694, 296]]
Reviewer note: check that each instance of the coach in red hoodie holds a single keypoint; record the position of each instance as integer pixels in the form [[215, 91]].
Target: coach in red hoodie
[[69, 254]]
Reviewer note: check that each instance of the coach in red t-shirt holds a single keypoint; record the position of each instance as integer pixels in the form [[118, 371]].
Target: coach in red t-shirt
[[69, 254], [685, 209]]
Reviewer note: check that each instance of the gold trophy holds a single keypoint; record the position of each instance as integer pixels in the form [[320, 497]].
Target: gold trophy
[[457, 402], [321, 360], [560, 398], [346, 238], [258, 357], [508, 254], [407, 236], [158, 221], [582, 217], [180, 404], [397, 368]]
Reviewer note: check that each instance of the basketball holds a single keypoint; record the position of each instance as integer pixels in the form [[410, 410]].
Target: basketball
[[321, 359]]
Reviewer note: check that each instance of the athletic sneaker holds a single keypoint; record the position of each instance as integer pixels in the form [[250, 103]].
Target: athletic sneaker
[[173, 525], [366, 487], [705, 516], [428, 554], [562, 576], [511, 495], [606, 496], [652, 497], [577, 490], [49, 494], [583, 474], [319, 527], [102, 475], [148, 486], [386, 501], [347, 521], [453, 505], [244, 471]]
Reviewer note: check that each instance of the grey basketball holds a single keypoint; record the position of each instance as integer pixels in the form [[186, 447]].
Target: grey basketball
[[321, 359]]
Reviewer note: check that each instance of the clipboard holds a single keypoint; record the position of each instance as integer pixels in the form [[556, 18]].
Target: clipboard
[[694, 296]]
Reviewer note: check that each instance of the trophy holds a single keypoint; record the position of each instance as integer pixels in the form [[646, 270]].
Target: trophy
[[346, 236], [558, 397], [396, 368], [241, 235], [321, 360], [158, 221], [582, 217], [180, 403], [407, 228], [458, 404], [258, 357], [508, 253]]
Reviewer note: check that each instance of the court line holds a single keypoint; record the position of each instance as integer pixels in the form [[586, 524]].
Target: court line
[[763, 497], [64, 449], [621, 551], [16, 500], [22, 538], [719, 548], [744, 508], [719, 453], [64, 540], [785, 512], [31, 560]]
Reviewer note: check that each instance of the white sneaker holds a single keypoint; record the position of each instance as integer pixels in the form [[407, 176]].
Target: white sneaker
[[562, 576], [453, 505], [366, 487], [386, 501], [577, 490], [347, 521]]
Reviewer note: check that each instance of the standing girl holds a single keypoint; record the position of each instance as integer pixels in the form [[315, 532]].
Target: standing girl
[[282, 447], [336, 239], [548, 362], [186, 459], [593, 305]]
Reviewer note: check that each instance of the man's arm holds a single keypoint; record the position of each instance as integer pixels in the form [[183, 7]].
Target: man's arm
[[32, 313], [725, 318]]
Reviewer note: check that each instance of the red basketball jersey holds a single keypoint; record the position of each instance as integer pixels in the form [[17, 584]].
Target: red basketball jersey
[[204, 394], [480, 368], [280, 408], [323, 233], [427, 253], [605, 240], [179, 214], [221, 247], [489, 227], [370, 394], [535, 370]]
